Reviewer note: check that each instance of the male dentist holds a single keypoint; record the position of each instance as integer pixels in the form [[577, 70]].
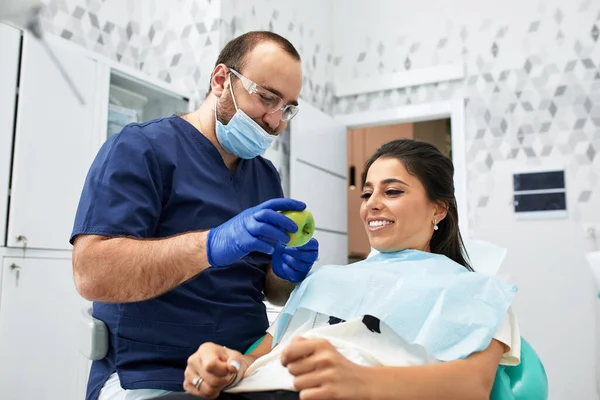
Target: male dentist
[[178, 238]]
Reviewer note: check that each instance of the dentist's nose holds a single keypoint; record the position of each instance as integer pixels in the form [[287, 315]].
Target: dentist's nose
[[273, 120]]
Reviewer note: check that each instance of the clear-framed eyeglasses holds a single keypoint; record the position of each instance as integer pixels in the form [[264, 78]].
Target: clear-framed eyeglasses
[[266, 100]]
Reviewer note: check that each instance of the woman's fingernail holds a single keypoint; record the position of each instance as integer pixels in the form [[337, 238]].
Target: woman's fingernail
[[235, 364]]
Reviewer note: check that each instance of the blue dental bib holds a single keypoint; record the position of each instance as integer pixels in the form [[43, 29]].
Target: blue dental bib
[[426, 298]]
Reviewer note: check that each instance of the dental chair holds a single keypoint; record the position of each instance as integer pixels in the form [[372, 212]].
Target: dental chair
[[93, 336]]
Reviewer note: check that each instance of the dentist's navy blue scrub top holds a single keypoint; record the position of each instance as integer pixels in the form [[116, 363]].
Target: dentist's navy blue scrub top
[[158, 179]]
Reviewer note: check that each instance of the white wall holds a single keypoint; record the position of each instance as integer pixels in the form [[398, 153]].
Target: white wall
[[533, 98]]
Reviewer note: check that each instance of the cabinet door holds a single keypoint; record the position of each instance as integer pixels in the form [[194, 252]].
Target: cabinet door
[[10, 43], [39, 310], [319, 177], [54, 145]]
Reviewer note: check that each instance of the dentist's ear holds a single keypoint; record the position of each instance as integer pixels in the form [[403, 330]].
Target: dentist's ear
[[218, 80]]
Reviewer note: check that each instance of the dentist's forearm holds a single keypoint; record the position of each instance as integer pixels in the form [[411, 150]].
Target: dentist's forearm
[[129, 270]]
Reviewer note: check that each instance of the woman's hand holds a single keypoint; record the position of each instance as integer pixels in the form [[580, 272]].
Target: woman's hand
[[211, 369], [322, 373]]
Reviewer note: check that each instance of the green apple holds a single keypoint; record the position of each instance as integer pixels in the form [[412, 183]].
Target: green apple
[[306, 227]]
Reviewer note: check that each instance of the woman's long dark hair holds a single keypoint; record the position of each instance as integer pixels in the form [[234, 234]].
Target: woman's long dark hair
[[436, 172]]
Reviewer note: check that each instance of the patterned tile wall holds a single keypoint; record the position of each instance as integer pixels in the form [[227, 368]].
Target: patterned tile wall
[[178, 40], [533, 78], [175, 41]]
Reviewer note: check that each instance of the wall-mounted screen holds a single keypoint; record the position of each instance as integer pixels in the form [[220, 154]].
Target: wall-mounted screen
[[540, 194]]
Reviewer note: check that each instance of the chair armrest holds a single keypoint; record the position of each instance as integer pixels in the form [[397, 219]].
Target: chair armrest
[[526, 381]]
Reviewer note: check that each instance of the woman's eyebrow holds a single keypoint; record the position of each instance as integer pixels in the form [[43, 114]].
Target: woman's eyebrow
[[387, 182], [394, 180]]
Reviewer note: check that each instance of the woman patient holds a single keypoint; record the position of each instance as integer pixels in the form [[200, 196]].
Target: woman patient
[[413, 322]]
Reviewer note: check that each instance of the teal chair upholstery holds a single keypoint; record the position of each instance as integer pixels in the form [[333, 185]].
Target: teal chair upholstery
[[526, 381], [251, 348]]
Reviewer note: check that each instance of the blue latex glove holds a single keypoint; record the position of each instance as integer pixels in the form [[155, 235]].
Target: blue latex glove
[[255, 229], [294, 263]]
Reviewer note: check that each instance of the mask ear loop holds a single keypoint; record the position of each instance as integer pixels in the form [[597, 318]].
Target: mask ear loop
[[232, 96]]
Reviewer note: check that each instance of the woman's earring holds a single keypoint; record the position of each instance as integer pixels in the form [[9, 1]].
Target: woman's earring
[[435, 227]]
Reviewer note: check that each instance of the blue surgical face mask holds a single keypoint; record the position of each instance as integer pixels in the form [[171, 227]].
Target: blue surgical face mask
[[242, 136]]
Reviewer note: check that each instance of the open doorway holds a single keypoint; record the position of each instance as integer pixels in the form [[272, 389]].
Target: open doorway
[[362, 143]]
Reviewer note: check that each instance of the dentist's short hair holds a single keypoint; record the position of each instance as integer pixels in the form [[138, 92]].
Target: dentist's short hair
[[233, 55]]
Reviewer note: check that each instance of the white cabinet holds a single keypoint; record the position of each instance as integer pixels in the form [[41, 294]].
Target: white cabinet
[[54, 145], [38, 321], [57, 137], [10, 43], [48, 140]]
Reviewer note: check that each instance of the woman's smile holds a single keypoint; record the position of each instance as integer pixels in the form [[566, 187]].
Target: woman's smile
[[378, 224]]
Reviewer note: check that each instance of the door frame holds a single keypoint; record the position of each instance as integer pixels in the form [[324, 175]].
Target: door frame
[[453, 109]]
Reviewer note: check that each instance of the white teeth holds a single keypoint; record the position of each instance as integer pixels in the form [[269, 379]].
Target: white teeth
[[379, 223]]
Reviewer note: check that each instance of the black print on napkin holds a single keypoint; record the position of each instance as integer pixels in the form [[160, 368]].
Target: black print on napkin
[[372, 323], [335, 320]]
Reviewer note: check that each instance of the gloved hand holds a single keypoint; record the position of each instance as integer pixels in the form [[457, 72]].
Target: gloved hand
[[294, 263], [255, 229]]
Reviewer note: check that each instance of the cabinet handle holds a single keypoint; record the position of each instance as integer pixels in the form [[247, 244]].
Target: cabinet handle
[[22, 238], [17, 270], [352, 176]]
